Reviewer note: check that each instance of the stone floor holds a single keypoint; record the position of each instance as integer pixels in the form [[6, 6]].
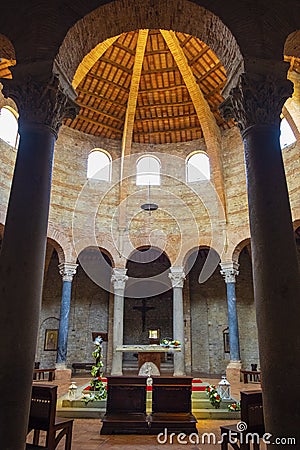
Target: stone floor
[[86, 434]]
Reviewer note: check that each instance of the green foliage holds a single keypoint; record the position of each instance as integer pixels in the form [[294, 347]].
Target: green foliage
[[97, 390]]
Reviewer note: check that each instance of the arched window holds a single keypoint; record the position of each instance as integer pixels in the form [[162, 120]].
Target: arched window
[[148, 171], [197, 167], [9, 127], [99, 165], [287, 136]]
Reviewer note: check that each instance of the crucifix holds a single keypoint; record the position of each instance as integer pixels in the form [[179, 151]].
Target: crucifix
[[143, 309]]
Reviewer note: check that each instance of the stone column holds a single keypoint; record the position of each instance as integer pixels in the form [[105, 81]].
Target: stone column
[[67, 271], [256, 104], [42, 106], [177, 277], [229, 270], [118, 279]]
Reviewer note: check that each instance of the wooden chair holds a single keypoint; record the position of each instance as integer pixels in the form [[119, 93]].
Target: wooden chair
[[42, 417], [252, 415], [126, 406], [171, 405]]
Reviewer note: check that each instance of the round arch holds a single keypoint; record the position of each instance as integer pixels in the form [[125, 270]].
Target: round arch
[[178, 15], [240, 246]]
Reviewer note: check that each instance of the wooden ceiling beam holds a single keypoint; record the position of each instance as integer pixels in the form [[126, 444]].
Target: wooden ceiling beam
[[133, 93], [97, 77], [209, 72], [123, 47], [99, 124], [97, 111], [100, 97], [210, 129], [90, 59], [129, 121], [174, 130], [155, 119], [114, 63]]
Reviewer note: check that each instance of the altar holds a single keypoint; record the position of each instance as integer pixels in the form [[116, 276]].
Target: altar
[[148, 353]]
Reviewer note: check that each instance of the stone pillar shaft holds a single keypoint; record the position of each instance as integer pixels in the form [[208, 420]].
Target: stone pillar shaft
[[119, 279], [42, 105], [229, 272], [21, 274], [67, 270], [177, 277], [256, 104]]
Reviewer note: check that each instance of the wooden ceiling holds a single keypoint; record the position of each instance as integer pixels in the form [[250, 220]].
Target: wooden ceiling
[[147, 86], [137, 84]]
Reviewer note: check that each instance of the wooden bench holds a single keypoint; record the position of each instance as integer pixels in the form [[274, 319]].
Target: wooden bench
[[252, 415], [42, 417], [126, 406], [250, 375], [39, 374], [86, 366], [171, 405]]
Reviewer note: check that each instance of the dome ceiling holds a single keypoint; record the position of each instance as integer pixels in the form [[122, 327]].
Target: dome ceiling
[[151, 82]]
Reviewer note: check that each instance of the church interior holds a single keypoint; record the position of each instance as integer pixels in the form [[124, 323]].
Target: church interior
[[150, 186]]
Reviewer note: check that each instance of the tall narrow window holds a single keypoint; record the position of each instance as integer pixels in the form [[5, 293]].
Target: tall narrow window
[[148, 171], [197, 167], [287, 136], [9, 127], [99, 165]]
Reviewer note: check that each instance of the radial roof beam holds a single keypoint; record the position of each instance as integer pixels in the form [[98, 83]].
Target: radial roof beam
[[210, 129], [133, 93], [130, 116], [90, 59]]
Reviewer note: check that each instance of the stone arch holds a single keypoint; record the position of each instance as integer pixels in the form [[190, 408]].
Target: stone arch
[[236, 252], [103, 242], [59, 250], [7, 50], [189, 261], [126, 15], [62, 242], [292, 44]]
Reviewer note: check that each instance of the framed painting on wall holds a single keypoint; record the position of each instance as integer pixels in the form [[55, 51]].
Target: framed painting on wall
[[51, 339]]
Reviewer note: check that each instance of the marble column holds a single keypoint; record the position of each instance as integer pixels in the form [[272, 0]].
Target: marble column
[[229, 270], [42, 104], [177, 277], [256, 104], [118, 279], [67, 271]]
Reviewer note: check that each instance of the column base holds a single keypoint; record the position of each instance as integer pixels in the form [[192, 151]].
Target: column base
[[233, 371], [62, 373]]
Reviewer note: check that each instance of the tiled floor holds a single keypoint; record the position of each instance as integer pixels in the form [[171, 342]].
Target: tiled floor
[[86, 432]]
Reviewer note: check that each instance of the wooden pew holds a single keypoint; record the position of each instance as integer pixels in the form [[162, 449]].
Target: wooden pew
[[252, 415], [126, 406], [86, 366], [40, 373], [250, 375], [171, 405], [42, 417]]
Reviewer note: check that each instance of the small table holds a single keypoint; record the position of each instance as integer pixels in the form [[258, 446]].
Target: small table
[[148, 353]]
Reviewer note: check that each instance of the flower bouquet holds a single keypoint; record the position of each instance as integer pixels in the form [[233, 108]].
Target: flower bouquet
[[213, 395], [234, 407]]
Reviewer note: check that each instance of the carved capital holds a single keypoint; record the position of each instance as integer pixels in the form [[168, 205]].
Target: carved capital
[[40, 102], [119, 278], [257, 99], [229, 270], [177, 276], [67, 271]]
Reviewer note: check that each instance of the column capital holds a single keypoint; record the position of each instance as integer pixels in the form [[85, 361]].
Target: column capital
[[67, 270], [177, 276], [119, 278], [259, 95], [41, 102], [229, 270]]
